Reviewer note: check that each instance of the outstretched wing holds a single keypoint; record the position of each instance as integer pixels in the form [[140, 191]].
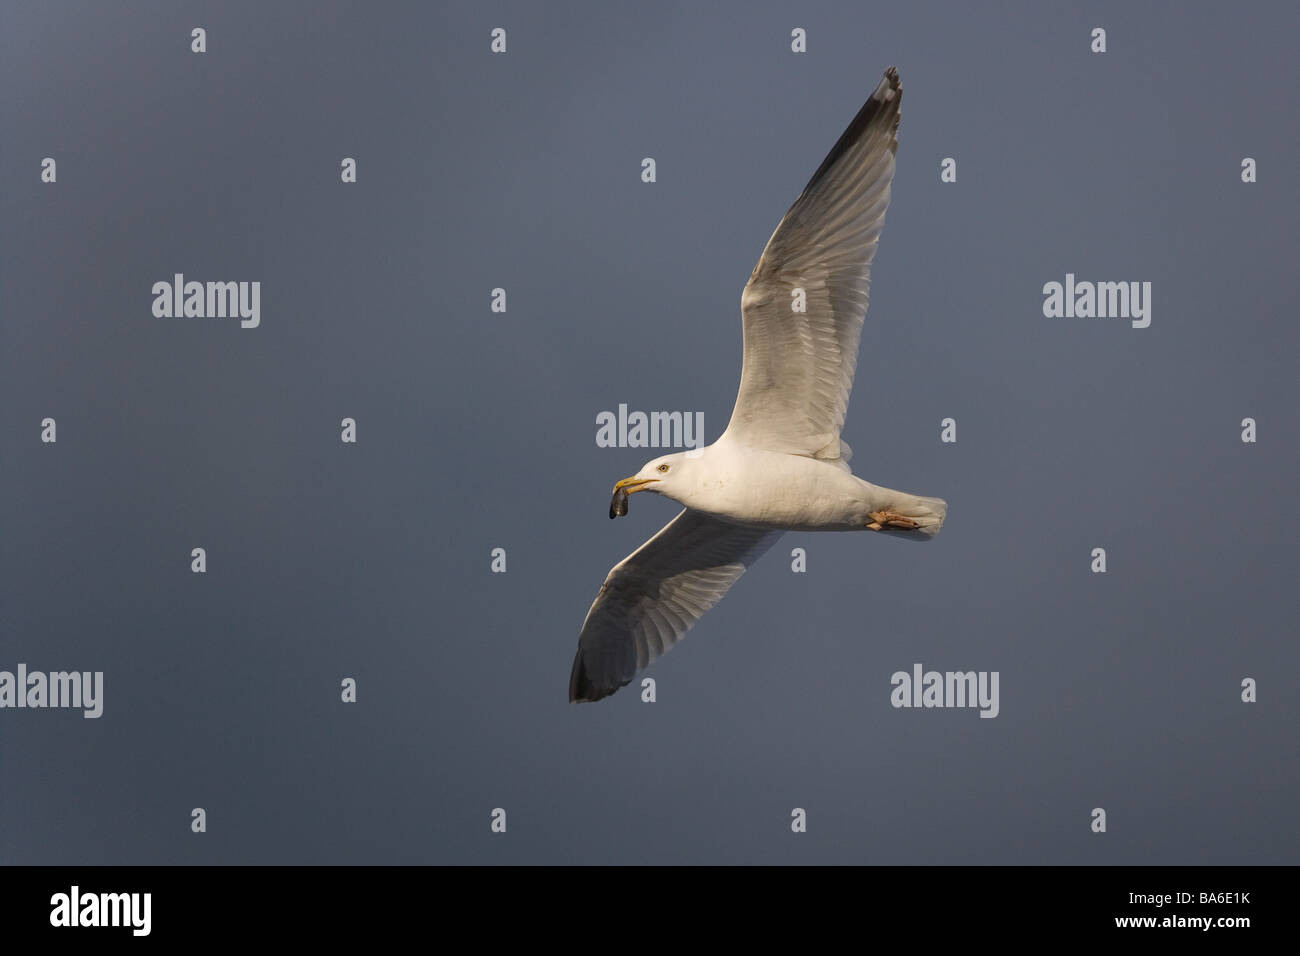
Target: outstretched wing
[[798, 366], [655, 595]]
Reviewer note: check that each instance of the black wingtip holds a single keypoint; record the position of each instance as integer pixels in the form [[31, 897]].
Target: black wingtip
[[883, 102], [580, 686], [582, 690]]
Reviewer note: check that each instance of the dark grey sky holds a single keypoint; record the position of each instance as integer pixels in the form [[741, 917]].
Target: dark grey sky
[[477, 430]]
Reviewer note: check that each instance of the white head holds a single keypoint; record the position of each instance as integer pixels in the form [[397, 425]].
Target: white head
[[669, 475]]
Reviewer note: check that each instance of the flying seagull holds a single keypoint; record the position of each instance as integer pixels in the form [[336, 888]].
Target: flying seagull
[[781, 464]]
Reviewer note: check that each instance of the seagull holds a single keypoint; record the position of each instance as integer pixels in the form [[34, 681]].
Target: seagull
[[780, 465]]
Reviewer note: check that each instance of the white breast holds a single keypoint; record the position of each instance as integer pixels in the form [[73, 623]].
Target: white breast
[[774, 490]]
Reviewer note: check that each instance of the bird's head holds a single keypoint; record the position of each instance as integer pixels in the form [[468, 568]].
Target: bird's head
[[662, 476]]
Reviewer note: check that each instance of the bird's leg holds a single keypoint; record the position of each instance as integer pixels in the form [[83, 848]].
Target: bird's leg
[[881, 519]]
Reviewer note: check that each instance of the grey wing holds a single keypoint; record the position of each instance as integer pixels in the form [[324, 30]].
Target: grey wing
[[798, 366], [655, 595]]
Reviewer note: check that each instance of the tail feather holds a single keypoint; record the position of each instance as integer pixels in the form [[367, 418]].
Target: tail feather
[[928, 513]]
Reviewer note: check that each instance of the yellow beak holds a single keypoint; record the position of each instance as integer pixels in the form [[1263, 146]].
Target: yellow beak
[[633, 485]]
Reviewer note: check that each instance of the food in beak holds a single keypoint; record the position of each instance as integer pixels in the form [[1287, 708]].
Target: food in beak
[[618, 504]]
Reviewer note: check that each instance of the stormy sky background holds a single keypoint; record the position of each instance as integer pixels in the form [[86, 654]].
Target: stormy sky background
[[476, 430]]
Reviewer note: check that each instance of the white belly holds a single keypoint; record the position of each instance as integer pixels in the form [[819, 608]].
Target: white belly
[[773, 490]]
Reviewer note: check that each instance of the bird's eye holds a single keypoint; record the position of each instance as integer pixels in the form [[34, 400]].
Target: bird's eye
[[663, 467]]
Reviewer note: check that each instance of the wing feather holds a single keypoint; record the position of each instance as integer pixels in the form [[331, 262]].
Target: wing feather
[[798, 366], [655, 595]]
